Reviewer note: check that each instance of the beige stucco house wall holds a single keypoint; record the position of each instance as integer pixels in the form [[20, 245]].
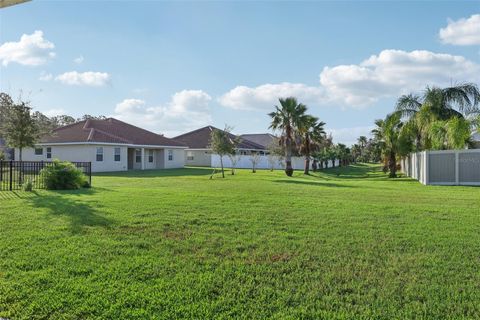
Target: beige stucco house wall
[[114, 157], [198, 157]]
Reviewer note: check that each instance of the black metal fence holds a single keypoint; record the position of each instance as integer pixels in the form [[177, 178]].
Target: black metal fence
[[13, 174]]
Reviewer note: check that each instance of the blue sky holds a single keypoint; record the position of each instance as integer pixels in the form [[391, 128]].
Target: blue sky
[[175, 66]]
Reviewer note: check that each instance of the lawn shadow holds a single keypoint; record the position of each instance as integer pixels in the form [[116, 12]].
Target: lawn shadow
[[314, 183], [16, 194], [355, 171], [187, 171], [81, 213]]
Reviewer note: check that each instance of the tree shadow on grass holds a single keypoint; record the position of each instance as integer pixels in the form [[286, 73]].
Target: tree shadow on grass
[[314, 183], [81, 213], [188, 171]]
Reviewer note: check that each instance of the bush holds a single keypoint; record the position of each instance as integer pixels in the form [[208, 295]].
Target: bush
[[63, 175], [28, 185], [2, 155]]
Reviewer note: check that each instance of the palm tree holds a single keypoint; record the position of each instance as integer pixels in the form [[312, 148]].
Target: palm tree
[[393, 140], [362, 142], [287, 118], [311, 133], [437, 104]]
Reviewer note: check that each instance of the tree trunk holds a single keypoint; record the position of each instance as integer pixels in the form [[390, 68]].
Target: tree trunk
[[20, 154], [221, 163], [307, 165], [288, 156], [314, 165], [392, 165]]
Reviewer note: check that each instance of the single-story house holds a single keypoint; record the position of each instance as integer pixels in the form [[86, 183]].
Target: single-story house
[[199, 152], [266, 140], [110, 145]]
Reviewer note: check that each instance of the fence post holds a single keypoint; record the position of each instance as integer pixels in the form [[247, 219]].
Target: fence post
[[427, 165], [90, 174], [457, 168], [11, 175]]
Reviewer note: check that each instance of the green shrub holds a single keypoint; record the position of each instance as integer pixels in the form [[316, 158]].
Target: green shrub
[[27, 185], [2, 155], [63, 175]]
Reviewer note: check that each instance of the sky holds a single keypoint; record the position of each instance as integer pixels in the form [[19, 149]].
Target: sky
[[172, 67]]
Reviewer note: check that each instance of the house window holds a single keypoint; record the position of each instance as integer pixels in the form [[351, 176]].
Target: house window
[[116, 154], [100, 154], [38, 151], [138, 155], [150, 156], [190, 156], [170, 155], [49, 152]]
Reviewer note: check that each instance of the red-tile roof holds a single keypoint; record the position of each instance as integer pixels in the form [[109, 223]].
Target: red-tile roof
[[108, 131], [200, 139]]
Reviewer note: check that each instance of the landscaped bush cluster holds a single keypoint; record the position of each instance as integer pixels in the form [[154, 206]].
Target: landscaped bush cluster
[[63, 175]]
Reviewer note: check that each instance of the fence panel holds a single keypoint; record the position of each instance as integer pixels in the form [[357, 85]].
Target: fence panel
[[445, 167], [13, 174], [244, 162]]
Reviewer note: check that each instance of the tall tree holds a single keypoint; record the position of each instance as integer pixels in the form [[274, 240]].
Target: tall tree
[[20, 129], [223, 143], [6, 103], [311, 133], [437, 104], [394, 142], [286, 118]]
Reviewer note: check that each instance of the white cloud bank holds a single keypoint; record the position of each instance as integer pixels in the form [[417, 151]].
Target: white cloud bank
[[31, 50], [265, 96], [90, 78], [388, 74], [187, 110], [463, 32]]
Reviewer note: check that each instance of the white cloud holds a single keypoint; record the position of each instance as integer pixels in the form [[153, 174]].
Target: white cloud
[[131, 106], [349, 136], [31, 50], [388, 74], [187, 110], [265, 96], [45, 76], [463, 32], [394, 72], [54, 112], [78, 60], [90, 78]]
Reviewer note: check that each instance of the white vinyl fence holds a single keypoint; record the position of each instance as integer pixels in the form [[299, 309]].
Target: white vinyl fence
[[446, 167], [244, 162]]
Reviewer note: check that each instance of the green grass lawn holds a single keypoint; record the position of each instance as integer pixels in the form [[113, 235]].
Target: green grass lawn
[[341, 244]]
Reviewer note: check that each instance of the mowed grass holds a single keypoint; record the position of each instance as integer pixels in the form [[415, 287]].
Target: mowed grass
[[341, 244]]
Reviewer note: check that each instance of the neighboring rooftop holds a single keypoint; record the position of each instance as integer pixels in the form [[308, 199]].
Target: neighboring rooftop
[[200, 139], [263, 139], [108, 131]]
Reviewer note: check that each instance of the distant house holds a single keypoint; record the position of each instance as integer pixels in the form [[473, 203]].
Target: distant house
[[110, 144], [266, 140], [6, 151], [476, 140], [199, 152]]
